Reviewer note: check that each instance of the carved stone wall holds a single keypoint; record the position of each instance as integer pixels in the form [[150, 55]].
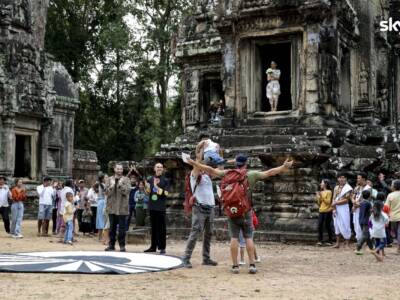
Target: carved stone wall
[[37, 96]]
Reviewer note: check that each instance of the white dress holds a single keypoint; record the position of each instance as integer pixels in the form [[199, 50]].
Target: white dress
[[273, 86]]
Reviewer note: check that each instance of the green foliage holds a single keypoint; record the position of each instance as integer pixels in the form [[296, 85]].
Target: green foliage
[[124, 74]]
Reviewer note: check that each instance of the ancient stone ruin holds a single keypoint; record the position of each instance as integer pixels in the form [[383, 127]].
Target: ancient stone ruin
[[339, 102], [38, 100], [37, 97]]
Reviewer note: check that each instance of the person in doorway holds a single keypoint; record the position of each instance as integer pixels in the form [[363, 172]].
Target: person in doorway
[[46, 194], [18, 196], [157, 188], [273, 86]]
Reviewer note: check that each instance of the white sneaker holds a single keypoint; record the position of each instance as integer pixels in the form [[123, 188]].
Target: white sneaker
[[242, 263], [20, 236], [14, 236], [252, 269], [258, 260]]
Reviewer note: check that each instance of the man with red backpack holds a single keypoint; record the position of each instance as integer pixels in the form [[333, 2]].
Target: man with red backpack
[[200, 202], [236, 185]]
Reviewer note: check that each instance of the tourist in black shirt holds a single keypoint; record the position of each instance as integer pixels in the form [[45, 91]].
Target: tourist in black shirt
[[157, 188]]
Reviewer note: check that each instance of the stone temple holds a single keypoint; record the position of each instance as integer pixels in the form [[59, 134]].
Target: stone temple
[[38, 100], [338, 108]]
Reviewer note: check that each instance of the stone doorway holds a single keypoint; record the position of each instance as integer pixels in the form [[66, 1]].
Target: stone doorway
[[281, 54], [23, 156], [212, 94]]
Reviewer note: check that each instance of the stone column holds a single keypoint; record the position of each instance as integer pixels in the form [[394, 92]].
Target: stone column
[[311, 65], [43, 150], [229, 80], [7, 142]]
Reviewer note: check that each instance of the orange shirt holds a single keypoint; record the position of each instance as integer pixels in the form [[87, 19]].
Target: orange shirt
[[18, 194]]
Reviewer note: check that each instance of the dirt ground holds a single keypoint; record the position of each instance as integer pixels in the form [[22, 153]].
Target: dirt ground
[[286, 272]]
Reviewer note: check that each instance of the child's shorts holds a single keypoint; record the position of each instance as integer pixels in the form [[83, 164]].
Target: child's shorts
[[380, 243], [213, 158]]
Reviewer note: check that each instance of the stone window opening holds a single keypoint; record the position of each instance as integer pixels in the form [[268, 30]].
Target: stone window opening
[[212, 100], [23, 156]]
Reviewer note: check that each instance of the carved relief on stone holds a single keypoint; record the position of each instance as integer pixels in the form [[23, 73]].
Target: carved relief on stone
[[382, 97], [363, 84], [6, 12], [22, 14]]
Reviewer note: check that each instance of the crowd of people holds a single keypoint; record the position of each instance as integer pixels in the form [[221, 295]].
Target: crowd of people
[[370, 211]]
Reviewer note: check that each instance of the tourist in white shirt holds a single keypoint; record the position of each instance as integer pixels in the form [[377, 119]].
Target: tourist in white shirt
[[5, 194], [46, 194], [92, 196]]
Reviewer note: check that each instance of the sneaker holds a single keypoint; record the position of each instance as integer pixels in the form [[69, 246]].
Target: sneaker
[[187, 264], [109, 248], [235, 269], [252, 269], [122, 249], [70, 243], [20, 236], [320, 244], [14, 236], [242, 263], [258, 260], [209, 262], [358, 252], [150, 250]]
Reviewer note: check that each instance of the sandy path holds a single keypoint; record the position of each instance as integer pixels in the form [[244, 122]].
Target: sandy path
[[286, 272]]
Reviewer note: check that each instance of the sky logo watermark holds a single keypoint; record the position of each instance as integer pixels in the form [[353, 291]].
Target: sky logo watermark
[[390, 25]]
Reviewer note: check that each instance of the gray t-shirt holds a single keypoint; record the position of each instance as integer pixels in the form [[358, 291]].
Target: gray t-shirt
[[204, 192]]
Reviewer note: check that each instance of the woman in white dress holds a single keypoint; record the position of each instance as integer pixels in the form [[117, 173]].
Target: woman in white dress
[[273, 86]]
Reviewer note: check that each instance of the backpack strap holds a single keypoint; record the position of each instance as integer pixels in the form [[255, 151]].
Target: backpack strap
[[196, 184]]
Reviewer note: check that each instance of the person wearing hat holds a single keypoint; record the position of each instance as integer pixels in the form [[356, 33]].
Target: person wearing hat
[[244, 224], [5, 194], [46, 195]]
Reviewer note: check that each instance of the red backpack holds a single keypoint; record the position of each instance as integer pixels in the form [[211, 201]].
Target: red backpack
[[234, 189], [190, 199]]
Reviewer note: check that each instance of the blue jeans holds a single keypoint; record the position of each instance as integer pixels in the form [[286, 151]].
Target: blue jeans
[[69, 229], [17, 214], [45, 212]]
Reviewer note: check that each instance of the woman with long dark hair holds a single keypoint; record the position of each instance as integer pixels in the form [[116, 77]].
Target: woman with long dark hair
[[100, 216], [18, 195], [324, 200]]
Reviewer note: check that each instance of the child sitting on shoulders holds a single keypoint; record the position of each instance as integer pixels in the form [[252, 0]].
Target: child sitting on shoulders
[[210, 150]]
